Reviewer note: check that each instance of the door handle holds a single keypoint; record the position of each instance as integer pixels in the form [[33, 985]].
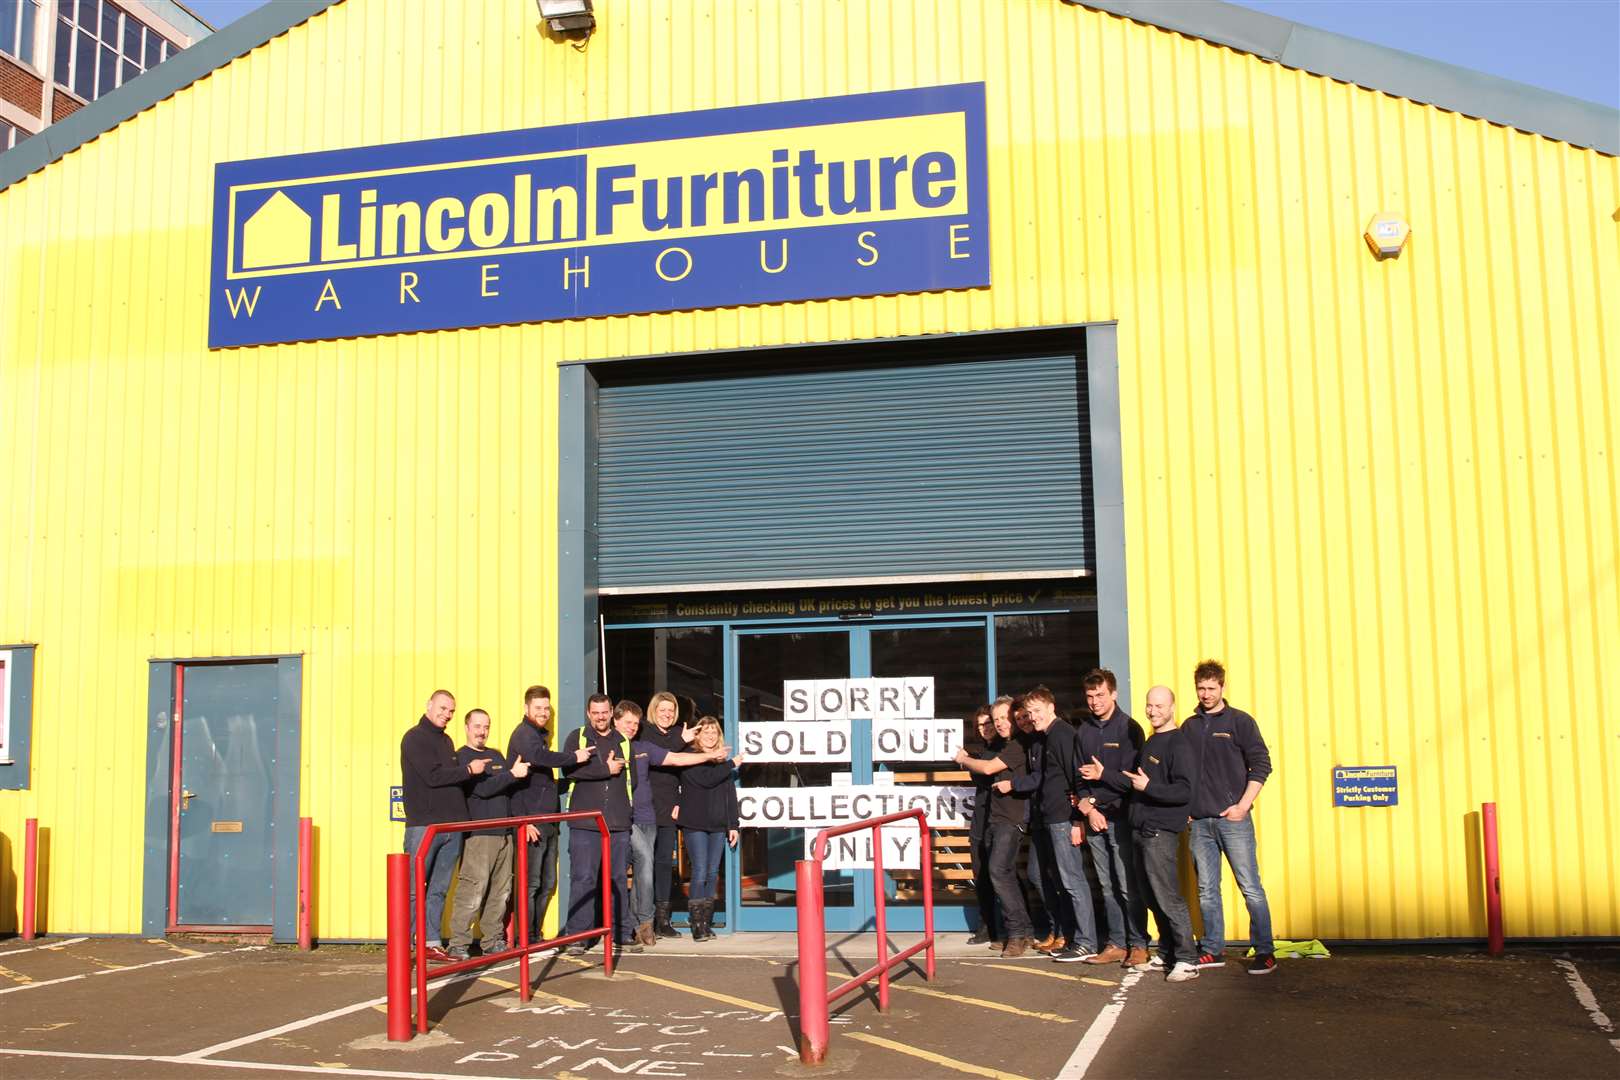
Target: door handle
[[185, 799]]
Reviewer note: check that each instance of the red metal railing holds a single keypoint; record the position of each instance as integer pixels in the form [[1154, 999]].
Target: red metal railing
[[815, 1000], [402, 875]]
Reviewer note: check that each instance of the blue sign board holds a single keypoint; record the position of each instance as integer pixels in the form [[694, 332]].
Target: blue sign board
[[1364, 785], [396, 803], [863, 195]]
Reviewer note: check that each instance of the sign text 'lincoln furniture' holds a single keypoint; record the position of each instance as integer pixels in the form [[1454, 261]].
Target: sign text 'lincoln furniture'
[[864, 195]]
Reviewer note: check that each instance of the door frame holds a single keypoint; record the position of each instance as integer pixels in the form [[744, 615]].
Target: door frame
[[165, 696], [860, 915]]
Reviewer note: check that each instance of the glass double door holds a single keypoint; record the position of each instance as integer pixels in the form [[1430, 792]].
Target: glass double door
[[957, 655]]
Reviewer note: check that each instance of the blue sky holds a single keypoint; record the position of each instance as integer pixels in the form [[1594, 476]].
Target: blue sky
[[1571, 46]]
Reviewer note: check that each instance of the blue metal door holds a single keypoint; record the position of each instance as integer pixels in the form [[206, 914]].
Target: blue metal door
[[222, 843]]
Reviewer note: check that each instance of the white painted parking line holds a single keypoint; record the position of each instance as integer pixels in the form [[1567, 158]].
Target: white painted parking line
[[265, 1066], [1097, 1033], [1588, 1000], [46, 947], [333, 1014], [131, 967]]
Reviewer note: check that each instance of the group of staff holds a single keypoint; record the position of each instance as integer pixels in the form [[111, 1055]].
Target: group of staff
[[650, 781], [1098, 791]]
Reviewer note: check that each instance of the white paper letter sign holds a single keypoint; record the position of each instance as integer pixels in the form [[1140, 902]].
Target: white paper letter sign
[[768, 742], [799, 699], [862, 693], [831, 704], [902, 849], [920, 698]]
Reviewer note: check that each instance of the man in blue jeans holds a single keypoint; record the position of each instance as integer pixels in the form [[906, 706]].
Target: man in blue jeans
[[434, 794], [1109, 743], [1233, 763], [1055, 797]]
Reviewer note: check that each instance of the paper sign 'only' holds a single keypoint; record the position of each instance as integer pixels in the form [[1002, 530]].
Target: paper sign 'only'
[[902, 849]]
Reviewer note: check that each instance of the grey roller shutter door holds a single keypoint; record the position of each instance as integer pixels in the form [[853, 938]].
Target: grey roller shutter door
[[919, 470]]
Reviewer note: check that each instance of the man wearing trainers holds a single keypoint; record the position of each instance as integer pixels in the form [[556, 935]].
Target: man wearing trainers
[[1074, 921], [1109, 743], [1163, 786], [485, 881], [1232, 763], [1009, 816]]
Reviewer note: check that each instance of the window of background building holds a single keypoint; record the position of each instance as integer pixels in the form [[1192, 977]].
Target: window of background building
[[17, 20], [99, 47], [10, 135]]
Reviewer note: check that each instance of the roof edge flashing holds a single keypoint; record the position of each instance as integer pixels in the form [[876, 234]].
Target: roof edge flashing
[[191, 65], [1379, 68]]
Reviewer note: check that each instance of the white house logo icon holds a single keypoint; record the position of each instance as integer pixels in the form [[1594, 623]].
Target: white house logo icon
[[278, 234]]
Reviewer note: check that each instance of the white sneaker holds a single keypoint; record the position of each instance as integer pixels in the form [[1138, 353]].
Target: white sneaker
[[1182, 972], [1154, 963]]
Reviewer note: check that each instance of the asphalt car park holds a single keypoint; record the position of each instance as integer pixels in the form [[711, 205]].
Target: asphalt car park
[[105, 1007]]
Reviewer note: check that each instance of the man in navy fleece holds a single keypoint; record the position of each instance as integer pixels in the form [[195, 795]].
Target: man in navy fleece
[[1232, 763]]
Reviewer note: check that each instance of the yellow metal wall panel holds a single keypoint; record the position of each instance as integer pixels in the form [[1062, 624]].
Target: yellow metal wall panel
[[1383, 491]]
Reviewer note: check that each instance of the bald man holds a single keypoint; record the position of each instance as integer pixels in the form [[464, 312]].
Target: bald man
[[1163, 781], [435, 792]]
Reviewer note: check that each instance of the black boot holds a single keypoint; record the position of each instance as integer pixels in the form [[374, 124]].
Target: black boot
[[661, 924], [699, 912]]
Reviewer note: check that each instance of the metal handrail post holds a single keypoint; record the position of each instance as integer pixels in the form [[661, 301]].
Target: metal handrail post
[[520, 911]]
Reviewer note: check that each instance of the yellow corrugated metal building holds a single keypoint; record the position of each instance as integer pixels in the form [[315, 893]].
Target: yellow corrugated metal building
[[1382, 490]]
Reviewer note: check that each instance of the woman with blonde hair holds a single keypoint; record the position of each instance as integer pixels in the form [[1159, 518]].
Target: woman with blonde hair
[[708, 817]]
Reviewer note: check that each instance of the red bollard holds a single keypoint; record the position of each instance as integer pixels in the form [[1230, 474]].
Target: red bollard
[[399, 948], [1493, 879], [30, 877], [814, 1027], [306, 863]]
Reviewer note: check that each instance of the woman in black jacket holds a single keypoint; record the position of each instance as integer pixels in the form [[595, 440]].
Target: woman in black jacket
[[708, 817]]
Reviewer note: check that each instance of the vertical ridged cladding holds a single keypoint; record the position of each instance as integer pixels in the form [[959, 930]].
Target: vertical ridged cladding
[[1383, 492]]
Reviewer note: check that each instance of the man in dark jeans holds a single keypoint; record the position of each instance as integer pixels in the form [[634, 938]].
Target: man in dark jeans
[[602, 782], [979, 832], [1163, 781], [1109, 742], [433, 780], [1072, 917], [537, 794], [1009, 822]]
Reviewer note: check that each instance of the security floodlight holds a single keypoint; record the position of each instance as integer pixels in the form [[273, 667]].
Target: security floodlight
[[568, 16]]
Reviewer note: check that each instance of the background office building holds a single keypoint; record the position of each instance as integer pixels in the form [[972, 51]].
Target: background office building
[[56, 56]]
